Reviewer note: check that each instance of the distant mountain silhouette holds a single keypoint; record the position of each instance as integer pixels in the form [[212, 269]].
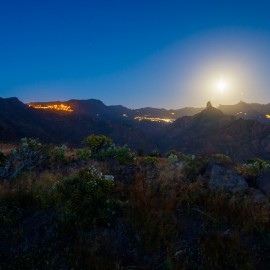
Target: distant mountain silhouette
[[97, 109], [245, 110], [207, 131], [211, 131], [18, 120]]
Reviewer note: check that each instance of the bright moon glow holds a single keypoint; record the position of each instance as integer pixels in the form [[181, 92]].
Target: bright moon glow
[[221, 85]]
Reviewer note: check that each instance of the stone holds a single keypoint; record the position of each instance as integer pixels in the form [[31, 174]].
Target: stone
[[227, 180]]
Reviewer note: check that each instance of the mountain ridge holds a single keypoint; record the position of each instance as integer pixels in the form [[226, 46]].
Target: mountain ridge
[[255, 111], [209, 131], [18, 120]]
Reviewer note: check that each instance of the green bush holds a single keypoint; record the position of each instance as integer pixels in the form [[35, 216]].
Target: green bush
[[222, 156], [155, 153], [221, 159], [84, 153], [32, 144], [122, 154], [85, 199], [103, 148], [149, 161], [189, 157], [254, 167], [98, 143], [193, 167], [172, 158], [172, 151], [59, 153], [27, 156]]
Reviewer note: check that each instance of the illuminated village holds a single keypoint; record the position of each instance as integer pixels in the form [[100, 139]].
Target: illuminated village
[[152, 119], [56, 107]]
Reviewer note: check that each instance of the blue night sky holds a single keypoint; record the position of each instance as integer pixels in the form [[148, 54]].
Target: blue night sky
[[136, 53]]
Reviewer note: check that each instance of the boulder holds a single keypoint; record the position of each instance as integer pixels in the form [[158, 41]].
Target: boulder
[[225, 179], [263, 183]]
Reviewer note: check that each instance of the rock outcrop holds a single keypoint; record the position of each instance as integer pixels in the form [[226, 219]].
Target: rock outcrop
[[225, 179]]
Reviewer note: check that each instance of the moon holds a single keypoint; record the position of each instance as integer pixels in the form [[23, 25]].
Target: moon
[[221, 85]]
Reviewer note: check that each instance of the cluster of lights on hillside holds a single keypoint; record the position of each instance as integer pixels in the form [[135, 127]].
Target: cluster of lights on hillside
[[56, 107], [241, 113], [267, 116], [152, 119]]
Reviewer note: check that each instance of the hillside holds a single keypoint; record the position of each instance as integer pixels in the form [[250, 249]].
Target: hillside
[[211, 132], [245, 110], [113, 210], [18, 120], [97, 109], [207, 132]]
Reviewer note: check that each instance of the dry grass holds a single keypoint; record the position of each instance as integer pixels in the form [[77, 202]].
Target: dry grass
[[150, 204], [224, 251], [7, 148], [190, 194], [94, 255], [152, 209], [238, 210], [33, 186]]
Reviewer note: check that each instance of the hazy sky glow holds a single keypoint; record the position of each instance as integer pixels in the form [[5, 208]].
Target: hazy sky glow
[[136, 53]]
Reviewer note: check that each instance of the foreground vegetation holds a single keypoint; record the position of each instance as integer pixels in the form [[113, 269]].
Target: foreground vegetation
[[103, 207]]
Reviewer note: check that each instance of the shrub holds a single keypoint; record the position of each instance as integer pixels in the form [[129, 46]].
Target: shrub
[[189, 157], [98, 143], [109, 177], [254, 167], [103, 148], [155, 153], [27, 156], [194, 166], [32, 144], [122, 154], [84, 153], [221, 159], [59, 153], [149, 161], [172, 158], [172, 151], [85, 199]]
